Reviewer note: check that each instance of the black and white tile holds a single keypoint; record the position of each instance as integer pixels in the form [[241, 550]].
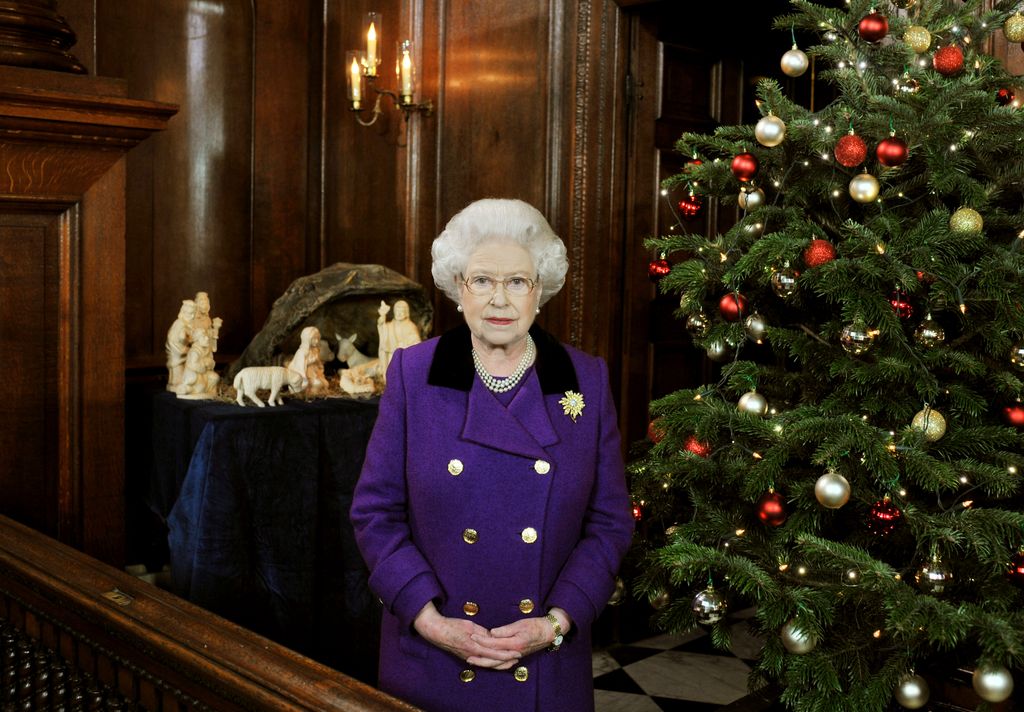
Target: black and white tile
[[669, 673]]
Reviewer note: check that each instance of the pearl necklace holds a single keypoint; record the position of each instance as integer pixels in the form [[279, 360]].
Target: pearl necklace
[[503, 385]]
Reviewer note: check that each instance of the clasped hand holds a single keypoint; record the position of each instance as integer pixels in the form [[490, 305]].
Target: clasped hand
[[498, 649]]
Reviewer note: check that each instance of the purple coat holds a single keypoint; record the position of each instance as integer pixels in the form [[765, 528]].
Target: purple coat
[[452, 485]]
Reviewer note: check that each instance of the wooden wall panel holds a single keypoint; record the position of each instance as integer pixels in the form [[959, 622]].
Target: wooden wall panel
[[29, 269]]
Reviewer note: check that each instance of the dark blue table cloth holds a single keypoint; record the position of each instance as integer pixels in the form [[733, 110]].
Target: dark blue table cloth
[[256, 503]]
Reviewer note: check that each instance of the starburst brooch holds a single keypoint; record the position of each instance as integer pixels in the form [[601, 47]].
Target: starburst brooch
[[572, 404]]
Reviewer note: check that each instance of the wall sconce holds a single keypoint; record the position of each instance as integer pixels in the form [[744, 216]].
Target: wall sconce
[[362, 70]]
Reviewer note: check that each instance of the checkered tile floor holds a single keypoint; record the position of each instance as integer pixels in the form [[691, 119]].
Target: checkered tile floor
[[674, 673]]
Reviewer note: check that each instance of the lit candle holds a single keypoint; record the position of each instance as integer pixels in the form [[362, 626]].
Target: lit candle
[[356, 77], [371, 50], [406, 73]]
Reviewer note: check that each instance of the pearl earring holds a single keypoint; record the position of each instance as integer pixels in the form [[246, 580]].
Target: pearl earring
[[538, 310], [459, 308]]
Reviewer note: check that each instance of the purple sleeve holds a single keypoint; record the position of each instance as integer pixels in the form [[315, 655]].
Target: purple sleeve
[[588, 578], [399, 574]]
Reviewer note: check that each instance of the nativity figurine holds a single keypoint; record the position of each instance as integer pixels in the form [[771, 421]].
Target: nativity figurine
[[396, 334]]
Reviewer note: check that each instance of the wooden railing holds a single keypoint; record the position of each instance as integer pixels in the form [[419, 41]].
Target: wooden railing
[[76, 634]]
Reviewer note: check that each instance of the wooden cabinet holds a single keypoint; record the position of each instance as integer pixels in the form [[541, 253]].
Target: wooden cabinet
[[62, 185]]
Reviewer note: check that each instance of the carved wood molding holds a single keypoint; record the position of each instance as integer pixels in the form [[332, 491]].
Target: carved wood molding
[[183, 650], [33, 34]]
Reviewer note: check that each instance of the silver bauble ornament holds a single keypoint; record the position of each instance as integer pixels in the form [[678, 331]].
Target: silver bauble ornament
[[966, 221], [1014, 28], [709, 606], [796, 640], [929, 333], [750, 199], [931, 422], [753, 229], [864, 188], [619, 593], [756, 326], [718, 350], [770, 131], [917, 38], [753, 402], [784, 281], [660, 599], [832, 490], [794, 62], [912, 692], [993, 683], [906, 85], [1017, 356], [857, 338], [934, 577], [698, 324]]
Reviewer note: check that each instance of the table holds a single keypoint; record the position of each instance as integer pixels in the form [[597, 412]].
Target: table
[[256, 503]]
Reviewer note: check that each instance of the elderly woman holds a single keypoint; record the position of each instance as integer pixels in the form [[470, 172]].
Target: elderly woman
[[492, 507]]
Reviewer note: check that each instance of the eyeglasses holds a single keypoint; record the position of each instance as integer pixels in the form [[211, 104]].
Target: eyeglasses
[[483, 286]]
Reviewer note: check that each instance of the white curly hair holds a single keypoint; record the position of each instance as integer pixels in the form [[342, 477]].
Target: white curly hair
[[498, 219]]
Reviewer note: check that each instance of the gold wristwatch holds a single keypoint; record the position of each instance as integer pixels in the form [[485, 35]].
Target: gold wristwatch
[[557, 642]]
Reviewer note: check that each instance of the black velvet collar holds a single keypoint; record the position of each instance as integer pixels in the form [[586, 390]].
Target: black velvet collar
[[452, 366]]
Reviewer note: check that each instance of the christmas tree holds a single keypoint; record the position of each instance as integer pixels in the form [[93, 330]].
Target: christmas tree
[[855, 472]]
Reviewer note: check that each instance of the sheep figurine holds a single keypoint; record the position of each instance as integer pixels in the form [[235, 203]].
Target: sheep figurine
[[254, 378]]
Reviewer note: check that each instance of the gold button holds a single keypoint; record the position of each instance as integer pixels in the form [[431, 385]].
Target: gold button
[[526, 605], [467, 675], [469, 536], [529, 535], [521, 673], [455, 467], [542, 467], [470, 608]]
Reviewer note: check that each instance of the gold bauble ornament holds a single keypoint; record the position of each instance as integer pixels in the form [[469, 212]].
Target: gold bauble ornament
[[912, 691], [797, 640], [966, 221], [993, 683], [918, 38], [929, 333], [1017, 356], [794, 62], [864, 188], [934, 577], [931, 422], [1014, 28], [770, 131], [904, 4], [856, 338], [751, 199]]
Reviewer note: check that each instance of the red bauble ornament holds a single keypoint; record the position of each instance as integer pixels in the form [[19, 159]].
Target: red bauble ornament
[[948, 60], [925, 277], [690, 206], [732, 307], [657, 269], [771, 509], [1005, 97], [1015, 570], [901, 305], [697, 447], [891, 152], [1014, 415], [819, 252], [692, 163], [873, 27], [851, 150], [655, 431], [884, 517], [744, 166], [638, 511]]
